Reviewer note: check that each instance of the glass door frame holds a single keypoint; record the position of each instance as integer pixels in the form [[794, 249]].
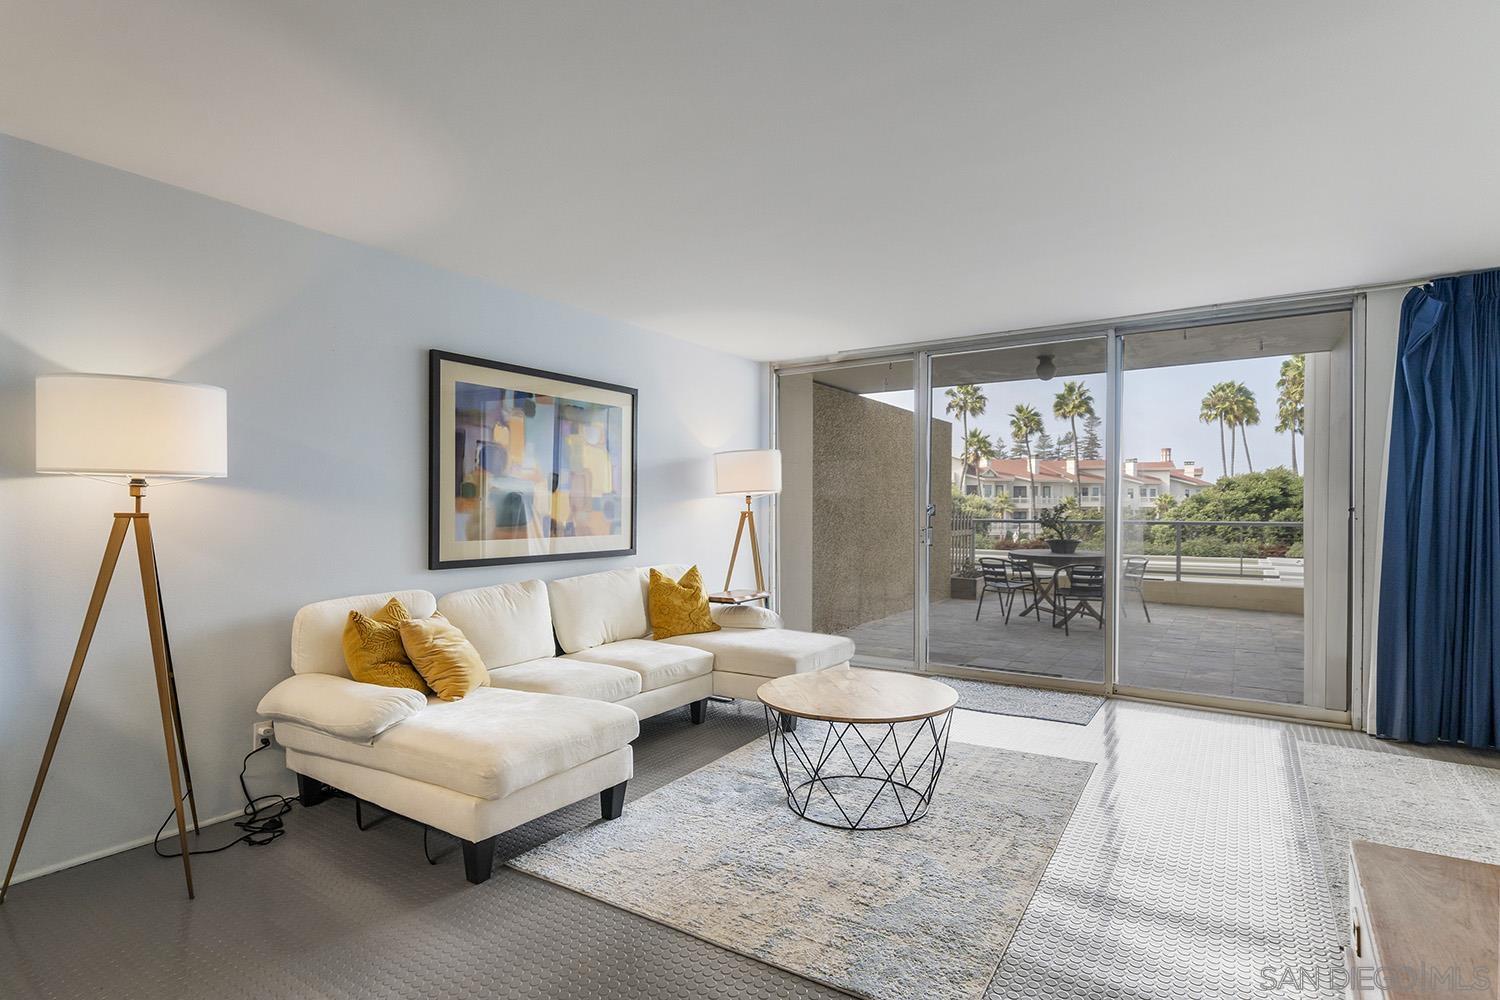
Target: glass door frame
[[1115, 335], [1105, 686]]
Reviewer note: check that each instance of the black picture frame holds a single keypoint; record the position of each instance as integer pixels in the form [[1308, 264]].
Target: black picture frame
[[437, 497]]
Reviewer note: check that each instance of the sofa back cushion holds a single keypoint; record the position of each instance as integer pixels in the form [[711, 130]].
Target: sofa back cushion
[[318, 629], [588, 611], [509, 623]]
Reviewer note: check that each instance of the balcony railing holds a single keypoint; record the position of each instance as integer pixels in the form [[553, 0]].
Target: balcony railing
[[1175, 549]]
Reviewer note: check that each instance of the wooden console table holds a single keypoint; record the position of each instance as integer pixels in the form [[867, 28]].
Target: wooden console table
[[1422, 926]]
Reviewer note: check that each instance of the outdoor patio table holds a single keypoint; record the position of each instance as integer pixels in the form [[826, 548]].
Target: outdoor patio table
[[1046, 557], [1049, 558]]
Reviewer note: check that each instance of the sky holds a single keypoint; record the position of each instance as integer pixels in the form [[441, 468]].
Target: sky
[[1160, 410]]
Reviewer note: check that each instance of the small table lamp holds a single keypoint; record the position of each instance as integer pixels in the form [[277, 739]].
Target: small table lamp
[[131, 429], [751, 473]]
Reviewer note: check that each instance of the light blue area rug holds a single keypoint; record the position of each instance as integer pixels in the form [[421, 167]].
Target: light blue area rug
[[1413, 802], [920, 911], [1031, 703]]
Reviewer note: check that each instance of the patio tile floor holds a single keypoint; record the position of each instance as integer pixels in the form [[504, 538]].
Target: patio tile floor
[[1218, 651]]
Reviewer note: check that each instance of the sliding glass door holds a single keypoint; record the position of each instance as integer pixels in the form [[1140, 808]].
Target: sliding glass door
[[1161, 512], [1019, 589], [1235, 498]]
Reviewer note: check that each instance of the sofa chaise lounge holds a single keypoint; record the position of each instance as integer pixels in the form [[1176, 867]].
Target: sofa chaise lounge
[[572, 671]]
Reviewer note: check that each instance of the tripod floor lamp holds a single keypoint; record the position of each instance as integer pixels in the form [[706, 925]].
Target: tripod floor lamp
[[751, 473], [133, 430]]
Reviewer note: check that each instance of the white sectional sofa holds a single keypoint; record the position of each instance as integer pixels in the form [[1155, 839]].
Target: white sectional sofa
[[573, 669]]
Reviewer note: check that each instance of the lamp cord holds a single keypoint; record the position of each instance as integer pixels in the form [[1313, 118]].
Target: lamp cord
[[262, 823]]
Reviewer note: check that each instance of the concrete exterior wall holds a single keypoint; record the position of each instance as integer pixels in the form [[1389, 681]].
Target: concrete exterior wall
[[1243, 595], [863, 497]]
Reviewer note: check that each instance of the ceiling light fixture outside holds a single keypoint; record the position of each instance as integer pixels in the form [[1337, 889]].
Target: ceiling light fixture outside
[[1045, 369]]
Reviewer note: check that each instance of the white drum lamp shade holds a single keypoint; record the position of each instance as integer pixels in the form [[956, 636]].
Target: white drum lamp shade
[[120, 425], [748, 473]]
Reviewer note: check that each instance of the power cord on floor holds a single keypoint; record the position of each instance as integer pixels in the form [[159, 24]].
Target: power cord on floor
[[262, 823]]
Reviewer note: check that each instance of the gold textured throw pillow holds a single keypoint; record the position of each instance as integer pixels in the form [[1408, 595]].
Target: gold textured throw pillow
[[679, 607], [373, 650], [447, 661]]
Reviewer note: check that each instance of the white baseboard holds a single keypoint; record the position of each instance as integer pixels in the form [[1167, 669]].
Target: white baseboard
[[129, 845]]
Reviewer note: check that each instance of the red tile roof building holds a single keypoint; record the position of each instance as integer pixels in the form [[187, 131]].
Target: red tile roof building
[[1144, 482]]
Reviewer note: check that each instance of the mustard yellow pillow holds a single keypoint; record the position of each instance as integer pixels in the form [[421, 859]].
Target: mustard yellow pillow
[[447, 661], [679, 607], [373, 650]]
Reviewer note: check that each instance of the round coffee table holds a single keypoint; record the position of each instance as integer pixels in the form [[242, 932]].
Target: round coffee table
[[876, 762]]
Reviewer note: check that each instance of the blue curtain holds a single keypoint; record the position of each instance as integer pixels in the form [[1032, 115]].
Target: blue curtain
[[1436, 676]]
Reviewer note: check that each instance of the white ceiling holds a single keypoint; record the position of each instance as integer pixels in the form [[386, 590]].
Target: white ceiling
[[786, 179]]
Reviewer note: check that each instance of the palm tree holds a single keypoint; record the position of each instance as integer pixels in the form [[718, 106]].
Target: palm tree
[[1243, 412], [1025, 422], [977, 448], [965, 401], [1291, 414], [1215, 409], [1073, 402]]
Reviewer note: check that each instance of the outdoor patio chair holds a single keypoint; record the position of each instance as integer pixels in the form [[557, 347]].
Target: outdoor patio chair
[[1025, 569], [1003, 580], [1135, 583], [1083, 595]]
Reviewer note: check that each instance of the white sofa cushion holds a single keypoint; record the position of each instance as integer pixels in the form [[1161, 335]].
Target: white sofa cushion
[[658, 664], [591, 610], [742, 616], [769, 652], [340, 706], [569, 677], [509, 623], [318, 629], [489, 744]]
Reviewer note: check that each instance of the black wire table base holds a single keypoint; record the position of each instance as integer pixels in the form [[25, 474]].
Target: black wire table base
[[855, 775]]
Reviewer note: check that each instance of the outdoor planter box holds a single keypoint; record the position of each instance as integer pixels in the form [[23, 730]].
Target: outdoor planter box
[[963, 588]]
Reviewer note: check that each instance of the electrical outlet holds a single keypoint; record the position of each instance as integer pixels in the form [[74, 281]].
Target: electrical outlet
[[261, 733]]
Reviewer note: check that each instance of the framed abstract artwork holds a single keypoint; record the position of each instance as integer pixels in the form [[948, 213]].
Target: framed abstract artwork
[[527, 465]]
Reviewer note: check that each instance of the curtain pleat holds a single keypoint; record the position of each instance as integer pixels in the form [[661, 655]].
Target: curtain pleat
[[1439, 601]]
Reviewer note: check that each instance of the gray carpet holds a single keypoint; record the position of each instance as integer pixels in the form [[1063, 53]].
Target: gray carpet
[[1426, 805], [329, 912], [924, 910], [1032, 703]]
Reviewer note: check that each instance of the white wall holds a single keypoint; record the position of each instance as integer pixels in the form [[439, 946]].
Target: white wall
[[1382, 330], [794, 507], [322, 345], [1326, 470]]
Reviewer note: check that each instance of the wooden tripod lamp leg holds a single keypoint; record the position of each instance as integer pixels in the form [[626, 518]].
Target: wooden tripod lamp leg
[[187, 772], [149, 587], [760, 580], [90, 621], [735, 553]]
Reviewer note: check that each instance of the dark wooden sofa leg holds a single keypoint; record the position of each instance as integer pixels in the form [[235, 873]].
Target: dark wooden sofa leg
[[788, 723], [479, 859], [699, 710], [311, 791], [612, 801]]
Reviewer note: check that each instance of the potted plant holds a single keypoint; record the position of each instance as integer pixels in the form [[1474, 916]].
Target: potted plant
[[1058, 529]]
